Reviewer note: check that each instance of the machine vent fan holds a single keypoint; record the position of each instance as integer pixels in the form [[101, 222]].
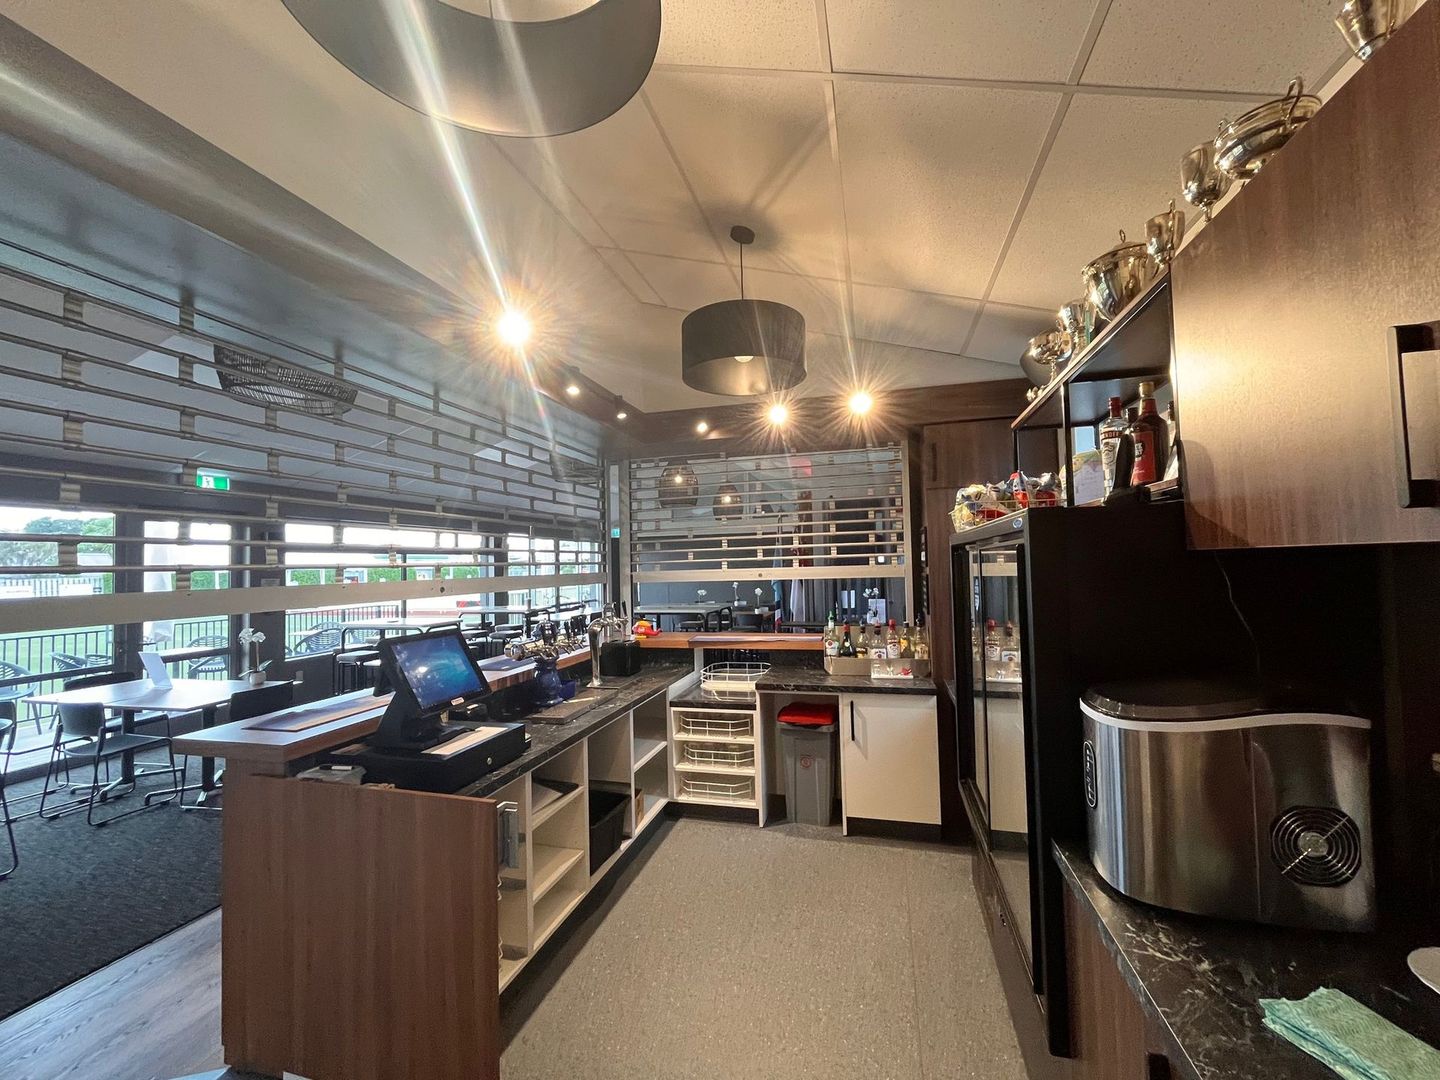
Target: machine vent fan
[[270, 382], [1316, 845]]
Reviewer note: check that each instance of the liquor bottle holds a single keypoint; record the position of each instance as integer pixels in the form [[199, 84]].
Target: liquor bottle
[[922, 640], [1150, 440], [847, 643], [1125, 451], [907, 642], [862, 644], [1172, 438], [831, 638], [992, 650], [892, 641], [1112, 431], [1010, 653]]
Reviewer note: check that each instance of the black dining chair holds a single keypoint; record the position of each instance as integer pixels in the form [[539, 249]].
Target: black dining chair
[[7, 737], [751, 622], [267, 698], [84, 736], [11, 695], [208, 665], [323, 639]]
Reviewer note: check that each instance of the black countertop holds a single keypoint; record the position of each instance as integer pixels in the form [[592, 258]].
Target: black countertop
[[1202, 979], [818, 681], [547, 740]]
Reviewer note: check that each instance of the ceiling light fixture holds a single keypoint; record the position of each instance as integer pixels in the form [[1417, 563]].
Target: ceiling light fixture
[[718, 342], [778, 414], [620, 413], [513, 328], [499, 76], [861, 402], [572, 388], [702, 427]]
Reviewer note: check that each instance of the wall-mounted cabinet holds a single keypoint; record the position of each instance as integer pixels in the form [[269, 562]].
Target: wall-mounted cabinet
[[1285, 307]]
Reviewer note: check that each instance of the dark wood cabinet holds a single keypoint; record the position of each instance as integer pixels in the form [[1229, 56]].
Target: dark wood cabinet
[[1110, 1035], [1283, 313]]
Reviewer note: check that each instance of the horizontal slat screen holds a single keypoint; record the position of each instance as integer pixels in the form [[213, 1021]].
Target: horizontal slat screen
[[777, 515]]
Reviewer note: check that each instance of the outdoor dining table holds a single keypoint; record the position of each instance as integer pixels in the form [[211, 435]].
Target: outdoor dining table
[[385, 627], [141, 696]]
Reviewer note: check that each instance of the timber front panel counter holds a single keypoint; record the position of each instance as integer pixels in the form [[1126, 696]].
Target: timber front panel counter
[[368, 931]]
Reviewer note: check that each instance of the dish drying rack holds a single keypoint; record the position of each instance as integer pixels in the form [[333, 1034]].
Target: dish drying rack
[[732, 681], [715, 790], [720, 756]]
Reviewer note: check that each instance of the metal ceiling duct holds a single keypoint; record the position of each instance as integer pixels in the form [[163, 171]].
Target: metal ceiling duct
[[742, 347], [498, 76]]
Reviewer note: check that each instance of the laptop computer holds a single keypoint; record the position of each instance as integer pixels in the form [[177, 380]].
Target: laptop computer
[[155, 668]]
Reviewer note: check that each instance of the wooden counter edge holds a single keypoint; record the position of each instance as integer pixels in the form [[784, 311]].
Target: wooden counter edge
[[725, 640]]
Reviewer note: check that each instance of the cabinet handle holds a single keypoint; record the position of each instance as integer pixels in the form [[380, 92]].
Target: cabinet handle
[[852, 721], [1409, 338]]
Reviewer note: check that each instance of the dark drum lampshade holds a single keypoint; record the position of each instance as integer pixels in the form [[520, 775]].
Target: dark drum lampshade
[[727, 505], [679, 487], [743, 348]]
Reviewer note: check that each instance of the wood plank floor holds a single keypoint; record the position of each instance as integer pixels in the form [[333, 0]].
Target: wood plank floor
[[153, 1015]]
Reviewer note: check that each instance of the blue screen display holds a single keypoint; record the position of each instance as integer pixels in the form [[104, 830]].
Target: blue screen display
[[438, 669]]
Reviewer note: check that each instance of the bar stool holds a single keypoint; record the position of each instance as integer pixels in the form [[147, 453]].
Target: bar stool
[[350, 670]]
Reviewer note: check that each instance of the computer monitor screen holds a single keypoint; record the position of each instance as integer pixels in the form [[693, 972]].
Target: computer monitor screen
[[437, 668]]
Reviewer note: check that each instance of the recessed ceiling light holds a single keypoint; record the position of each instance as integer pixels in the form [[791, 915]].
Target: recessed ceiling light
[[702, 427], [513, 328], [572, 388], [778, 414], [620, 413], [861, 402]]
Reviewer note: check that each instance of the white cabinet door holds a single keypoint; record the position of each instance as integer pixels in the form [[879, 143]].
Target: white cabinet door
[[889, 758]]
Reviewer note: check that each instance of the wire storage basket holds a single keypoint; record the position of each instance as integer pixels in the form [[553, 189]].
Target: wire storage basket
[[715, 725], [718, 790], [732, 681], [720, 755]]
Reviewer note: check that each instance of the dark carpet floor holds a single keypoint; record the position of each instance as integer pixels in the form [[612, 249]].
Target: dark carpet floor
[[84, 897]]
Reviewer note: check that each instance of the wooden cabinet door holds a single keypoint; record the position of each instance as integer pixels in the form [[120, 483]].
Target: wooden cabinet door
[[973, 451], [1284, 306], [889, 758]]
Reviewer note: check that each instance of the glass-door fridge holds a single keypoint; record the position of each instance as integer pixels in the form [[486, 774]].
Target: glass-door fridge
[[993, 735]]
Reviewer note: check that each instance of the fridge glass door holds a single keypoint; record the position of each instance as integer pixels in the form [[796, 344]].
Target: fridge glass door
[[977, 680], [1002, 680]]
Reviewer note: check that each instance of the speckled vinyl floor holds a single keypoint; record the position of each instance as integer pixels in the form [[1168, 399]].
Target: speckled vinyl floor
[[727, 952]]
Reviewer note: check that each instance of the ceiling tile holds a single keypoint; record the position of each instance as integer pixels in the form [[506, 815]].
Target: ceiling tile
[[932, 178], [619, 174], [626, 271], [1002, 332], [1114, 164], [918, 320], [757, 152], [1035, 40], [835, 368], [741, 33], [1229, 45]]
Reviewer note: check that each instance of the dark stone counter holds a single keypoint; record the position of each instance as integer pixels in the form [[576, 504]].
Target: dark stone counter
[[547, 740], [802, 680], [1202, 979]]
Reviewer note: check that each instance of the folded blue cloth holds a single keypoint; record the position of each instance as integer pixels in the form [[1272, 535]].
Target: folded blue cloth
[[1356, 1042]]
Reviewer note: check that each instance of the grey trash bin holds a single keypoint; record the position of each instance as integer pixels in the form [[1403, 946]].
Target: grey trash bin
[[808, 751]]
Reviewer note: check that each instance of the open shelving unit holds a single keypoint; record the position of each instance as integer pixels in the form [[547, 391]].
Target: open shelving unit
[[628, 754], [716, 755], [1132, 348]]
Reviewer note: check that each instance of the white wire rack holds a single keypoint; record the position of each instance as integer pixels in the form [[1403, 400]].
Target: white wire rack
[[720, 755], [715, 725], [718, 790], [732, 681]]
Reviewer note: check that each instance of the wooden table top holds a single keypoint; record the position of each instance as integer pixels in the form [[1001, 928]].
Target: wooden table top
[[142, 695]]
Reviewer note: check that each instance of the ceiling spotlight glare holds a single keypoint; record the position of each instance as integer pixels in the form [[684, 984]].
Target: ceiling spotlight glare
[[572, 388], [778, 414], [861, 402], [701, 428], [620, 413], [513, 328]]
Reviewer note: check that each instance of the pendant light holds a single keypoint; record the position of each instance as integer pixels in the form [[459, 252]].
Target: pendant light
[[499, 76], [743, 347], [679, 487], [728, 504]]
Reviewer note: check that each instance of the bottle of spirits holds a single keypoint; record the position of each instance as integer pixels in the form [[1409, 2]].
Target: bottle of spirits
[[892, 641], [830, 638], [907, 642], [862, 644], [1150, 440], [1010, 653], [992, 650], [1125, 451], [922, 640], [1112, 431], [1172, 439], [847, 643]]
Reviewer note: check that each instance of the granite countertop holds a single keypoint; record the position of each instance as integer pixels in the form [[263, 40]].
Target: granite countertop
[[783, 678], [1202, 979], [547, 740]]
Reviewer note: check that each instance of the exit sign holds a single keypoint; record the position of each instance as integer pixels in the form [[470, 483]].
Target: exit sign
[[212, 481]]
